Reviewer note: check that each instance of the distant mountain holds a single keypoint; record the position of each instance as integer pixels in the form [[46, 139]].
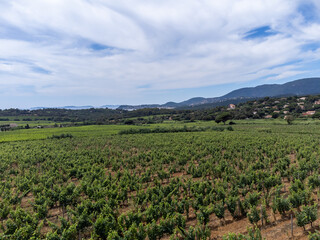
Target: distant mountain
[[78, 107], [65, 107], [307, 86], [110, 106]]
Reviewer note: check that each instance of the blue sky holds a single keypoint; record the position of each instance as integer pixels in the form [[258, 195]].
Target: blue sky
[[98, 52]]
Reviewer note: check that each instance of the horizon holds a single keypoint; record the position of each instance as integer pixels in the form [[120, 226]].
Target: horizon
[[115, 106], [118, 53]]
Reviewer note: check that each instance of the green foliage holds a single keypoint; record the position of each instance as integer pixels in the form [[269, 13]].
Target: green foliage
[[307, 215], [314, 236], [197, 232], [204, 214], [232, 203], [110, 186], [299, 198], [219, 210], [253, 234], [253, 215], [314, 181], [223, 117], [172, 130], [63, 135], [280, 204], [289, 119]]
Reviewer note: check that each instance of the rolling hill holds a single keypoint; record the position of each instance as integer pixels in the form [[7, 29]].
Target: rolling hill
[[306, 86]]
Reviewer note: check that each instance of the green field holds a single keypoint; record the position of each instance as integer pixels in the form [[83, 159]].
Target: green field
[[175, 185], [300, 126]]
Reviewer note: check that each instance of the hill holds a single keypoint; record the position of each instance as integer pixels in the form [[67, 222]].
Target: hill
[[307, 86], [301, 87]]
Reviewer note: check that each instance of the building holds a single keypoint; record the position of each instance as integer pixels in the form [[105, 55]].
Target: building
[[309, 113], [232, 106]]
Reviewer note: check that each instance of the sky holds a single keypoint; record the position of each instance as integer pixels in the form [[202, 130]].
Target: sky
[[101, 52]]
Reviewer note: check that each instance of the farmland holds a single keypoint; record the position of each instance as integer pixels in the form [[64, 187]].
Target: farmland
[[91, 182]]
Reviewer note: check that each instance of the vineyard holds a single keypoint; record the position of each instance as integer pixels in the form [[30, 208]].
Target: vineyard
[[212, 182]]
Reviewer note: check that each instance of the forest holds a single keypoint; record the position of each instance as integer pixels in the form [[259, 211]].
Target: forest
[[297, 107]]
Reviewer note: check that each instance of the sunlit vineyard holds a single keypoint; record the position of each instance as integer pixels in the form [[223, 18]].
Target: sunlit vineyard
[[212, 184]]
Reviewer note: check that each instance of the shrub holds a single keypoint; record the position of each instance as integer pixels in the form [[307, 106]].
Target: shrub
[[63, 135]]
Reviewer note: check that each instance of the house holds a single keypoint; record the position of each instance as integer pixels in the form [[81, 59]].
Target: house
[[317, 102], [285, 112], [268, 117], [309, 113], [232, 106], [302, 98], [276, 111], [13, 125]]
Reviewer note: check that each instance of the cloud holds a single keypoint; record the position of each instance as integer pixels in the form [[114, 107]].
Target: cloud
[[126, 48]]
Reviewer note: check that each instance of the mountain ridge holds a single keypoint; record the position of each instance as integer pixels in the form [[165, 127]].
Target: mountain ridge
[[305, 86]]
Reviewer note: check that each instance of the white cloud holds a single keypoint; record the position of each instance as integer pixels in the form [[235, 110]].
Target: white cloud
[[161, 44]]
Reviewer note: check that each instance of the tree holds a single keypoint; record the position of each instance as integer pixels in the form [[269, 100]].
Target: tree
[[289, 119], [275, 115], [223, 117], [316, 115]]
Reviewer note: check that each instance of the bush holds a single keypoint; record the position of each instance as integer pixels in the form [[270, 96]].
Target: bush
[[163, 130], [314, 236], [229, 128], [67, 135], [307, 215], [253, 234], [253, 215]]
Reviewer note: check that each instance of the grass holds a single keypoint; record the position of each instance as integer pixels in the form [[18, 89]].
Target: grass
[[43, 133], [33, 123], [309, 126]]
